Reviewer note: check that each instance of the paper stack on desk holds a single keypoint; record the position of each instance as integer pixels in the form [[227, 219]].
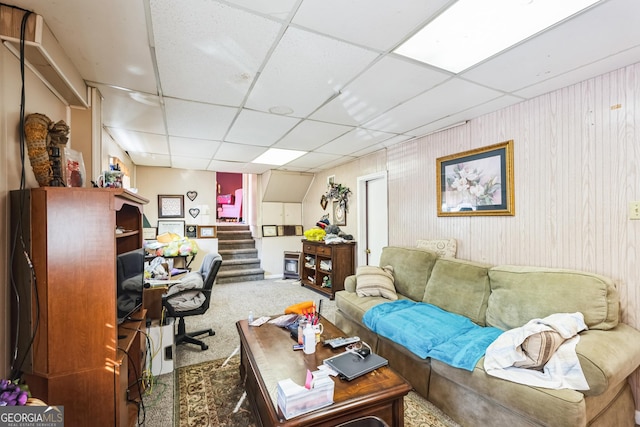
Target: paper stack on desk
[[294, 399]]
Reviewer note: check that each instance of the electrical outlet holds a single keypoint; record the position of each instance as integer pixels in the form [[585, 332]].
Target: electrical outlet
[[634, 210]]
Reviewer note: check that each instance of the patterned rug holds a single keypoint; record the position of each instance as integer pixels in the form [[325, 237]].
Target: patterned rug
[[210, 394]]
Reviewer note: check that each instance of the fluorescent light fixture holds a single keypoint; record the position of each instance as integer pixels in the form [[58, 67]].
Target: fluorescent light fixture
[[471, 31], [278, 156]]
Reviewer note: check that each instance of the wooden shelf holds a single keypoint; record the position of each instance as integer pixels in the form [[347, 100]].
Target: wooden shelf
[[342, 258]]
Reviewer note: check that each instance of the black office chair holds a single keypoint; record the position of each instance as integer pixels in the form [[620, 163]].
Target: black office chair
[[209, 269]]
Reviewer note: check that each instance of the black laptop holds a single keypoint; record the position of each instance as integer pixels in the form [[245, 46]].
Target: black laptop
[[349, 365]]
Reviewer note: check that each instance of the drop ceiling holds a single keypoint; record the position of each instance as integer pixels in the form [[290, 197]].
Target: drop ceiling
[[211, 85]]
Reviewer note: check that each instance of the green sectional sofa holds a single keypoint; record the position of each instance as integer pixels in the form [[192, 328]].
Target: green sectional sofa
[[507, 297]]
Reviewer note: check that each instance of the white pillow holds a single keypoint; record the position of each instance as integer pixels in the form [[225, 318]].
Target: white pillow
[[445, 248], [375, 282]]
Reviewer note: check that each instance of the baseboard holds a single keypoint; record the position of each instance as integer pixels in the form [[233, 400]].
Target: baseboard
[[637, 417]]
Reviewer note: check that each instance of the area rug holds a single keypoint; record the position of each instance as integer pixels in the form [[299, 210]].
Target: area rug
[[211, 394]]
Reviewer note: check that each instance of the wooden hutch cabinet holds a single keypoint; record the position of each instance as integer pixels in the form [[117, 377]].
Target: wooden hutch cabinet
[[80, 357], [324, 267]]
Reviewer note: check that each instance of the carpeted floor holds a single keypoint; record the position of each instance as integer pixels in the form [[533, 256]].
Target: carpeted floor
[[230, 303], [211, 394]]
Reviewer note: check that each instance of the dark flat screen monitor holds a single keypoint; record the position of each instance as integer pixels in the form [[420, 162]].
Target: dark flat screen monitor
[[130, 281]]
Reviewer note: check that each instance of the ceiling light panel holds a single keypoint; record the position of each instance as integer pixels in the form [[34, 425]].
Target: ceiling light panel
[[306, 70], [450, 97], [256, 128], [277, 156], [378, 24], [310, 134], [386, 84], [470, 31], [542, 57], [205, 51], [190, 147], [198, 120]]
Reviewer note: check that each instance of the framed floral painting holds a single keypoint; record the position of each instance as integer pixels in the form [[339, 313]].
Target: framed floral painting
[[476, 182]]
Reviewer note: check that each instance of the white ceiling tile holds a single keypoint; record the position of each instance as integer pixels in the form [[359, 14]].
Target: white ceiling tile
[[450, 97], [238, 152], [612, 27], [597, 68], [313, 160], [140, 142], [224, 166], [190, 147], [149, 159], [310, 134], [458, 118], [256, 128], [322, 67], [379, 24], [279, 9], [386, 84], [182, 162], [198, 120], [356, 140], [205, 51], [131, 110]]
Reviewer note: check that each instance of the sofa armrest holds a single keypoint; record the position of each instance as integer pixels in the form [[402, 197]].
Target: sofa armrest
[[608, 357], [350, 283]]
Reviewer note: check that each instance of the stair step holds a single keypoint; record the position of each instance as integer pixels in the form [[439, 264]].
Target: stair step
[[225, 228], [244, 275], [236, 244], [239, 262], [232, 254], [234, 235]]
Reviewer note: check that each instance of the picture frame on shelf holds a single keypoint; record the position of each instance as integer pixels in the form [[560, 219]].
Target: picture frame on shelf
[[171, 226], [280, 230], [269, 231], [149, 233], [299, 230], [170, 206], [191, 231], [476, 182], [207, 231]]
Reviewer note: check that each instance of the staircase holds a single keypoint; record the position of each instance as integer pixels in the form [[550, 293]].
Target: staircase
[[240, 262]]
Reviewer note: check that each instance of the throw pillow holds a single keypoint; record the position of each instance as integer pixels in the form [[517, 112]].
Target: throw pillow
[[375, 282], [445, 248], [538, 349]]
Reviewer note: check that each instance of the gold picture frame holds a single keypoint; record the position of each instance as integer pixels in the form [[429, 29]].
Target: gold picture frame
[[269, 231], [477, 182], [207, 231]]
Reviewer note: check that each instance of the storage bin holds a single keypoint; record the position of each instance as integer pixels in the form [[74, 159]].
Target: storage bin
[[294, 400]]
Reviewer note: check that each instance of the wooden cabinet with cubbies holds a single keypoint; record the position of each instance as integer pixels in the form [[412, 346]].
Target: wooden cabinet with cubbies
[[325, 267]]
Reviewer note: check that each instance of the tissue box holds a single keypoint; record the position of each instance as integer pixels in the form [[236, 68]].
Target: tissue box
[[294, 400]]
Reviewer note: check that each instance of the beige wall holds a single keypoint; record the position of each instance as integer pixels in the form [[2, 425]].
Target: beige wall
[[38, 100], [577, 166], [152, 181]]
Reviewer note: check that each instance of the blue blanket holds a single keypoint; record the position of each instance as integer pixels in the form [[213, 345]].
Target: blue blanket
[[429, 331]]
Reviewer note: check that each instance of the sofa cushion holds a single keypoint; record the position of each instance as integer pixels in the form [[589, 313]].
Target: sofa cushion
[[446, 248], [411, 269], [519, 294], [374, 281], [460, 287]]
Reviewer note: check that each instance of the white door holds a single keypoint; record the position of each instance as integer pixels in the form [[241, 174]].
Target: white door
[[373, 227]]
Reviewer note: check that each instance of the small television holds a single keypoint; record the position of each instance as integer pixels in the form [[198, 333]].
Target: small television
[[130, 281]]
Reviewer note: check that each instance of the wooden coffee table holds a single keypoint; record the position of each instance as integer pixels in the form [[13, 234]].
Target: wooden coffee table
[[267, 357]]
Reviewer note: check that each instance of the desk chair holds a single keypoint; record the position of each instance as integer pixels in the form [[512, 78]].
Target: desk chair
[[208, 270]]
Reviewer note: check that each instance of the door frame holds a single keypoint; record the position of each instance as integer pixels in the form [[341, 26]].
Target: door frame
[[362, 212]]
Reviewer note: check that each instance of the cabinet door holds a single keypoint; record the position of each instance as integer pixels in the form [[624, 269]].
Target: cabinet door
[[292, 213]]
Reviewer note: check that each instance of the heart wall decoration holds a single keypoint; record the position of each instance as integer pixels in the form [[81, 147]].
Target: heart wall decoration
[[192, 196], [194, 212]]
